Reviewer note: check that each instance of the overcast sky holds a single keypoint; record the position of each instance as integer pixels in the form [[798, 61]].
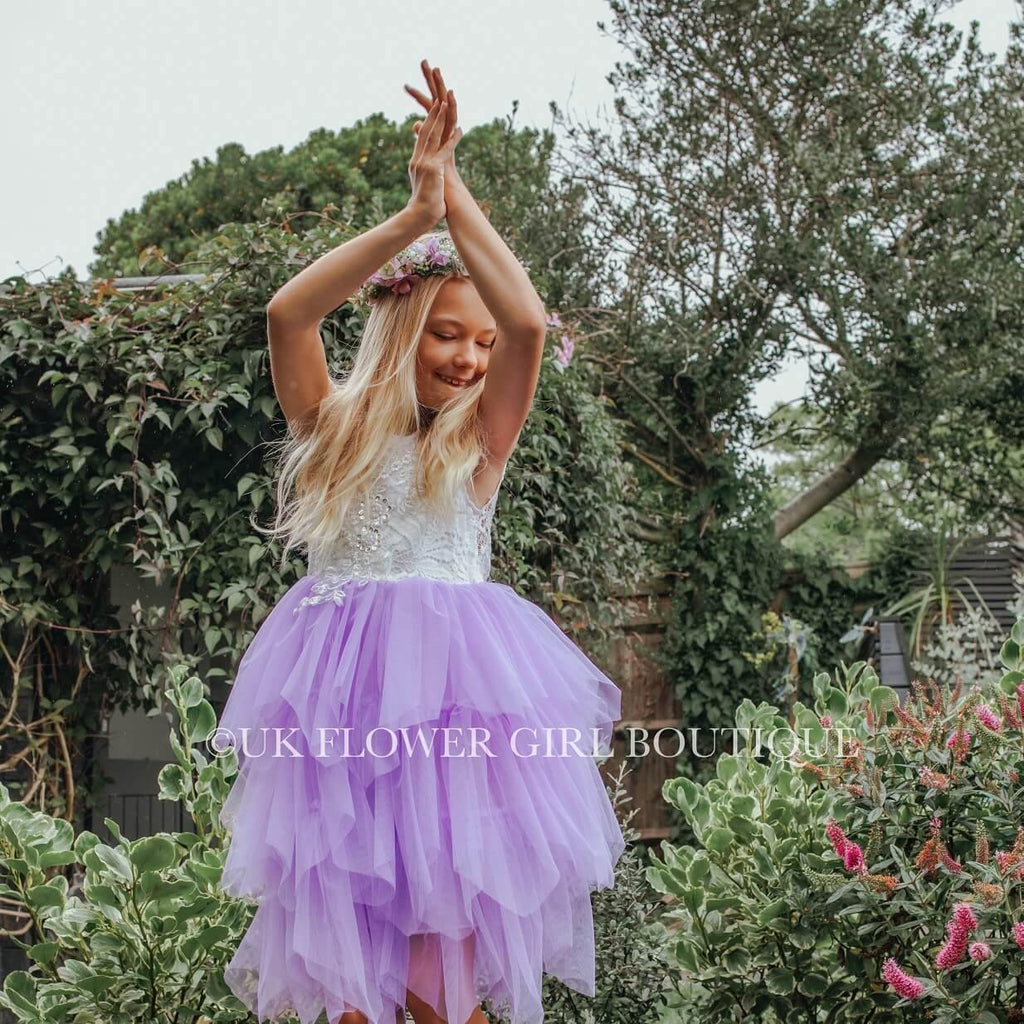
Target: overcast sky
[[106, 102]]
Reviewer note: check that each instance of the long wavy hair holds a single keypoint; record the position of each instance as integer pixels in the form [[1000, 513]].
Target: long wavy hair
[[323, 471]]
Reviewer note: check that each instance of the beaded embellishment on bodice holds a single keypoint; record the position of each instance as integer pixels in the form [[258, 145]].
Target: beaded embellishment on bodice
[[390, 533]]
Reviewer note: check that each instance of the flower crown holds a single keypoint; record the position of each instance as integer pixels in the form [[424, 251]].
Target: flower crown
[[433, 256]]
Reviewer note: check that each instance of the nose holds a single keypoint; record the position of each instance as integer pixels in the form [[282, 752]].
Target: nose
[[466, 356]]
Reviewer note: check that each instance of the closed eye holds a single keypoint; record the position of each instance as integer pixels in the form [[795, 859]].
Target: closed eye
[[450, 337]]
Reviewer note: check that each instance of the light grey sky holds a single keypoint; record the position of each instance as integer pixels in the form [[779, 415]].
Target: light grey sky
[[106, 102]]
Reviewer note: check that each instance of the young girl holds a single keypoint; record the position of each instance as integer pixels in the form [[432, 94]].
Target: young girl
[[411, 812]]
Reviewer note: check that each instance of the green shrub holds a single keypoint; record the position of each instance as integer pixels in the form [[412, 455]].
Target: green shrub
[[147, 933], [781, 915]]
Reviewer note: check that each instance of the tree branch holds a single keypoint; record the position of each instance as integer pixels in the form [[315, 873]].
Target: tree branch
[[827, 488]]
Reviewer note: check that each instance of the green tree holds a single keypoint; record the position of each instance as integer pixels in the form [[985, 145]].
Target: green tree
[[839, 182], [359, 174]]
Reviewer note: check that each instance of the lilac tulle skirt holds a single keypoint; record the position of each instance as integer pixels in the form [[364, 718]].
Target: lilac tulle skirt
[[388, 844]]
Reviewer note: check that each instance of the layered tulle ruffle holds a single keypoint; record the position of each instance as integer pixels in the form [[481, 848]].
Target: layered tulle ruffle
[[410, 858]]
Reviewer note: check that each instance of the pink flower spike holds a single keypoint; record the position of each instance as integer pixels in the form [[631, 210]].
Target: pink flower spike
[[853, 859], [959, 743], [979, 951], [903, 984], [1018, 934], [952, 953], [836, 836], [989, 718], [963, 918]]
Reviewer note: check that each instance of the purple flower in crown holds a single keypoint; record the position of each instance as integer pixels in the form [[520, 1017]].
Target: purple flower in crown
[[415, 252], [420, 258], [397, 281], [435, 255], [553, 320]]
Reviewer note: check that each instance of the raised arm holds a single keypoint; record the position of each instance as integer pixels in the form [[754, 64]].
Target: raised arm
[[298, 364], [506, 290]]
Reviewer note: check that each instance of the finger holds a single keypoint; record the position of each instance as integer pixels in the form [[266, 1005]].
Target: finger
[[428, 123], [429, 76], [438, 89], [441, 90], [453, 114], [434, 134], [422, 100], [450, 145]]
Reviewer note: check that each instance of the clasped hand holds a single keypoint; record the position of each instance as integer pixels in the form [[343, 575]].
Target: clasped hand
[[432, 168]]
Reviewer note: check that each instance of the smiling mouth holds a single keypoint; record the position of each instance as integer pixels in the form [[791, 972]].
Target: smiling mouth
[[455, 382]]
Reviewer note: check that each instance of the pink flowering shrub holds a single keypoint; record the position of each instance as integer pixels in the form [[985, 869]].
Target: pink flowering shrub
[[869, 866], [565, 344]]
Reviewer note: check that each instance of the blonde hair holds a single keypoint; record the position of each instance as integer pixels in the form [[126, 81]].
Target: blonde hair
[[324, 470]]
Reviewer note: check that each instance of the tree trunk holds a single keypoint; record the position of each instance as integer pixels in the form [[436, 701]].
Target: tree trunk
[[825, 490]]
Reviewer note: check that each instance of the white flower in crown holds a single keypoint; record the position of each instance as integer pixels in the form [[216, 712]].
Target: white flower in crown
[[423, 258]]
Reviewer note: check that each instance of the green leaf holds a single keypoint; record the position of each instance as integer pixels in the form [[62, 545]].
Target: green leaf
[[114, 861], [780, 981], [20, 989], [813, 984], [699, 869], [719, 840], [1009, 655], [192, 691], [154, 853], [173, 782], [43, 952], [768, 914], [48, 895], [880, 699], [201, 720], [743, 805], [57, 858], [737, 960]]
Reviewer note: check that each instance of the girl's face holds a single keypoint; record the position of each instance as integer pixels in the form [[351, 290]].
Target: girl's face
[[455, 344]]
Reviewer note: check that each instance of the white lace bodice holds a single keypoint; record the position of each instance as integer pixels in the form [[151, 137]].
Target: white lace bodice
[[394, 534]]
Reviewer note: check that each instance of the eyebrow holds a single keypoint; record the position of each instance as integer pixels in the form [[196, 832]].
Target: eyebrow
[[455, 320]]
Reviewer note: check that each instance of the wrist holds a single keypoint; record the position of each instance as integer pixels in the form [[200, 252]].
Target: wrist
[[418, 217], [456, 193]]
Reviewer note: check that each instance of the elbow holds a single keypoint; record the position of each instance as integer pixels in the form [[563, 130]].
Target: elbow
[[532, 324], [283, 313], [534, 330]]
